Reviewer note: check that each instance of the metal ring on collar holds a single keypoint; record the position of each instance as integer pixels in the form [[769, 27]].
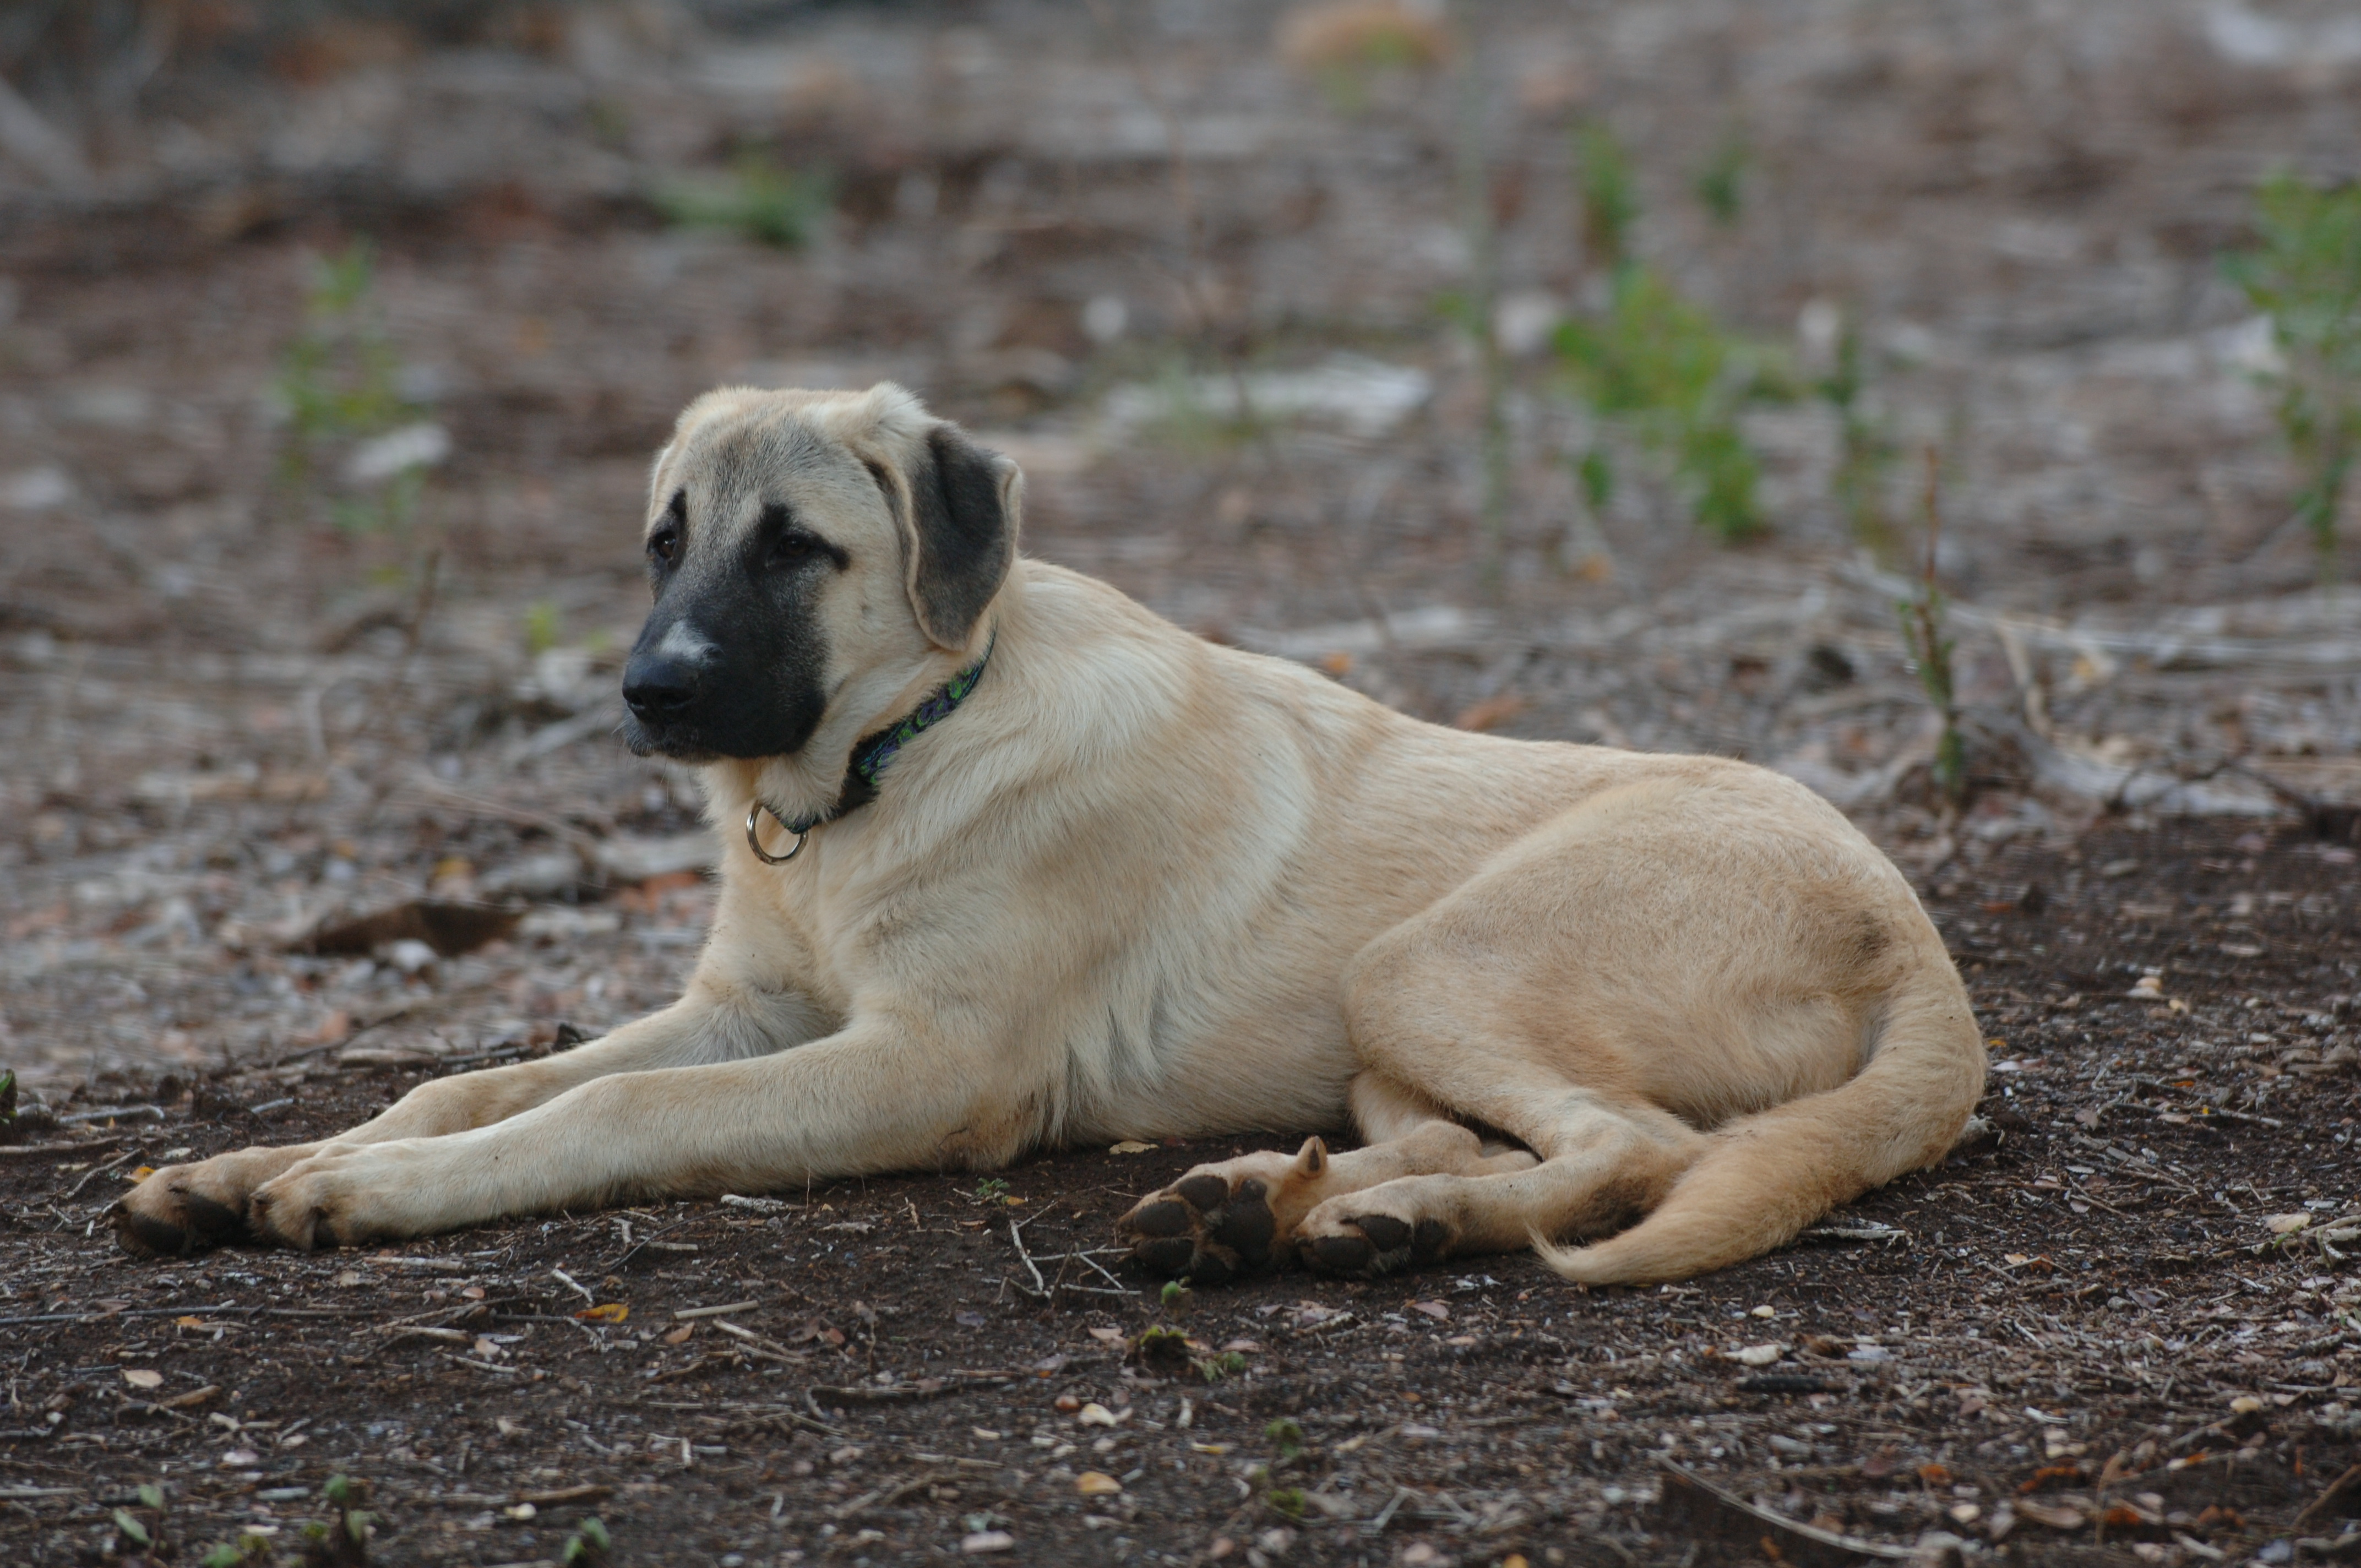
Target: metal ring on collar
[[754, 839]]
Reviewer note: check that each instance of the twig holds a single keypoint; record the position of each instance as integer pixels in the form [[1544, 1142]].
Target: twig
[[98, 1170], [574, 1285], [115, 1113], [1040, 1286], [911, 1393], [26, 1151], [757, 1346], [883, 1496]]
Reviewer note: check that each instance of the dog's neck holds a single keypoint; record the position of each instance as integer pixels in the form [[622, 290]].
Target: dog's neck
[[875, 751], [823, 782]]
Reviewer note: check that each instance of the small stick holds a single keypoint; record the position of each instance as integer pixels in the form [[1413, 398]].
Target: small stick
[[115, 1112], [1040, 1286], [98, 1170], [23, 1151], [883, 1496], [574, 1285]]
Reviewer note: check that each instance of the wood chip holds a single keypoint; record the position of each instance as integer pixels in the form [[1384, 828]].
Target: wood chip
[[685, 1314]]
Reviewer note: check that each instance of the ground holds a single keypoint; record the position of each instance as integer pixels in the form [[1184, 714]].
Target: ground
[[254, 695]]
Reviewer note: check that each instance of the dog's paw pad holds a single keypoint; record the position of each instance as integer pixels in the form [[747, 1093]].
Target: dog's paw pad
[[173, 1222], [1366, 1246], [1200, 1229], [1161, 1217]]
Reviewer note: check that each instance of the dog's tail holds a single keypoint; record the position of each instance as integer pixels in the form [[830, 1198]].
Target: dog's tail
[[1763, 1177]]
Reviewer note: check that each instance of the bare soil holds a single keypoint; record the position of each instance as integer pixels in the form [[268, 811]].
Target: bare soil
[[2079, 1300], [228, 723]]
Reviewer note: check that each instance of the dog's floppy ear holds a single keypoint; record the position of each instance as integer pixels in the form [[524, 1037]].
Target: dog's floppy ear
[[962, 528]]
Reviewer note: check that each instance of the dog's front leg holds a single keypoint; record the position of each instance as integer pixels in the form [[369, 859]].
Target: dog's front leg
[[882, 1094], [182, 1208]]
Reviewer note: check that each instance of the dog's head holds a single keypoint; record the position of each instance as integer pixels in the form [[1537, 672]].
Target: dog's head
[[811, 553]]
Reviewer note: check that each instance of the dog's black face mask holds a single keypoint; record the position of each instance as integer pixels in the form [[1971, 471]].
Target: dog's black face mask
[[732, 659], [735, 659]]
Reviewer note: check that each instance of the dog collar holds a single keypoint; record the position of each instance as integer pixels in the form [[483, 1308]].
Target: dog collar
[[869, 759]]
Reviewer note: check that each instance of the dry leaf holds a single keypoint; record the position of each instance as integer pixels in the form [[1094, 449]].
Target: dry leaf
[[2285, 1225], [143, 1173], [1131, 1146], [1097, 1415], [605, 1313], [1096, 1483], [1431, 1309], [1759, 1354], [1491, 713], [141, 1377]]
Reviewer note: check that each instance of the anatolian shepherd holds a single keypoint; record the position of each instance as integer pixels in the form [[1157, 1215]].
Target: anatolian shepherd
[[1010, 863]]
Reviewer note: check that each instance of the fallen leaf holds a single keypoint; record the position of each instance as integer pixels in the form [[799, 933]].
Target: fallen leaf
[[680, 1335], [1112, 1336], [1934, 1475], [605, 1313], [2056, 1515], [1491, 712], [1096, 1483], [449, 929], [142, 1377], [1131, 1146], [2285, 1225], [143, 1173], [1097, 1415], [1431, 1309], [2052, 1476], [1760, 1355], [985, 1540]]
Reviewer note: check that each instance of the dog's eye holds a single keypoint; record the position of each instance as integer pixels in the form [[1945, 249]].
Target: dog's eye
[[793, 545], [664, 545]]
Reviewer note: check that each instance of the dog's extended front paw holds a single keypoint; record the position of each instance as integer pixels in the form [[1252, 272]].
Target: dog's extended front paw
[[183, 1209], [1363, 1245], [1226, 1220], [339, 1196]]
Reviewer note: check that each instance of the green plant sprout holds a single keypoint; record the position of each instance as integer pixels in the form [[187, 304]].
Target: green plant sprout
[[1865, 446], [1720, 185], [1609, 193], [338, 385], [1927, 642], [990, 1190], [1661, 366], [543, 624], [336, 380], [1657, 363], [2306, 277], [756, 199], [1479, 225], [591, 1545]]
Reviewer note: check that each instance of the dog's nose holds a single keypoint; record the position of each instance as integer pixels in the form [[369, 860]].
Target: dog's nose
[[658, 687]]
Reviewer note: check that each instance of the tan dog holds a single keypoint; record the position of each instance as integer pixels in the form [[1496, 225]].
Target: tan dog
[[1118, 882]]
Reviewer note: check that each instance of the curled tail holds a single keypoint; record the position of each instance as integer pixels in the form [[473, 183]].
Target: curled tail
[[1761, 1178]]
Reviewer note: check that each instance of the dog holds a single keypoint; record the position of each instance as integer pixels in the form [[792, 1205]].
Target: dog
[[1010, 863]]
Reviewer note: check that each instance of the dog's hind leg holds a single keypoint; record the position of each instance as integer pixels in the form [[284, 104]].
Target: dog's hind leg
[[1604, 1164], [1240, 1215], [186, 1207]]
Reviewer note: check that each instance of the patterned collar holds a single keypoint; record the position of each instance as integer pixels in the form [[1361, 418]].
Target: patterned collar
[[870, 757]]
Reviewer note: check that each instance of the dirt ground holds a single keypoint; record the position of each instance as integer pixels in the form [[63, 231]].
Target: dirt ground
[[243, 708]]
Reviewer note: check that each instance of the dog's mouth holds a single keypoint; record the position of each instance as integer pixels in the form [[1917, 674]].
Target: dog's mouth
[[680, 742]]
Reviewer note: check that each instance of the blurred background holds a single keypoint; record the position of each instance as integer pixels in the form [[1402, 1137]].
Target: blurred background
[[1947, 401]]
